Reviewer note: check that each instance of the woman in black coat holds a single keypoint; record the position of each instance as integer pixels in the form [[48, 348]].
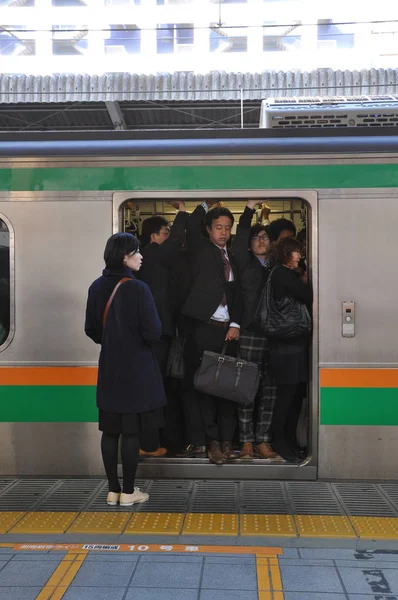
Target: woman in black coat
[[288, 358], [130, 392]]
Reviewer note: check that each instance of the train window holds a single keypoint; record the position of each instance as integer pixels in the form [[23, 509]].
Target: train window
[[5, 293]]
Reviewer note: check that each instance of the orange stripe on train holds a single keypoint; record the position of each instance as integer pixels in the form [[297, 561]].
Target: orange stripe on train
[[48, 375], [359, 378]]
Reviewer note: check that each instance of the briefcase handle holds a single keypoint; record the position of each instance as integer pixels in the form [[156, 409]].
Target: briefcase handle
[[224, 350]]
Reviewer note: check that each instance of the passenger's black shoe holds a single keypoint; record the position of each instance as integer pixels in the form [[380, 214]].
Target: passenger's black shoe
[[200, 452], [192, 451], [285, 451]]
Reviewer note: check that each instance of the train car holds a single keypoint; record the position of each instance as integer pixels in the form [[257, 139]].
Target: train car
[[62, 195]]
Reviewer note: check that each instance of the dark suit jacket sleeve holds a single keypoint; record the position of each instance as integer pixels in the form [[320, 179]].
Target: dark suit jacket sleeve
[[148, 319], [240, 244], [169, 248], [92, 328], [195, 238], [237, 309]]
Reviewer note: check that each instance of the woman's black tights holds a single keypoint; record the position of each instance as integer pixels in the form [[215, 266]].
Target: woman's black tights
[[130, 453], [287, 408]]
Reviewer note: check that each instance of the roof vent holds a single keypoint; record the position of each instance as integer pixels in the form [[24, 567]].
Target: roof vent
[[329, 111]]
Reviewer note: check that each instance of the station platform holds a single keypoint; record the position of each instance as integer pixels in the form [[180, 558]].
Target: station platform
[[199, 540]]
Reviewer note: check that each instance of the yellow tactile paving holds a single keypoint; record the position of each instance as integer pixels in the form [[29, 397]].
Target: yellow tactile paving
[[8, 520], [155, 523], [100, 522], [324, 526], [45, 522], [378, 528], [210, 524], [277, 525]]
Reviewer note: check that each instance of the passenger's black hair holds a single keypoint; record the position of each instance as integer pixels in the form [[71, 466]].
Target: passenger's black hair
[[117, 247], [150, 226], [276, 227], [216, 213], [282, 251], [256, 229]]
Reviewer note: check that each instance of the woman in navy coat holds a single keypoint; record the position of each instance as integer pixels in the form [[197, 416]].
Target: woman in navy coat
[[130, 392]]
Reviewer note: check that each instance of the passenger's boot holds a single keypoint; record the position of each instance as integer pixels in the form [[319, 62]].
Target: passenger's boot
[[214, 453], [265, 450], [247, 452], [228, 451]]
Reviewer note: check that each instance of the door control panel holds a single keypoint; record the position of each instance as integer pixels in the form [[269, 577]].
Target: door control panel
[[348, 318]]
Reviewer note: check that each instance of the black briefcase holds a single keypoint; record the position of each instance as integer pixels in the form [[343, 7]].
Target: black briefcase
[[228, 377]]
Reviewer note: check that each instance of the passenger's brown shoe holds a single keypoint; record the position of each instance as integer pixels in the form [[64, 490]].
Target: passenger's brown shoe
[[228, 451], [156, 454], [265, 451], [247, 451], [214, 453]]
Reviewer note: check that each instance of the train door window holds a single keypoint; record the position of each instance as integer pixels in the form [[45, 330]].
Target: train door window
[[5, 294]]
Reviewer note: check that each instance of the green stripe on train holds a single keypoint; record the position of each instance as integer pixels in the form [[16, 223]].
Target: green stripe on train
[[52, 403], [338, 406], [359, 406], [196, 177]]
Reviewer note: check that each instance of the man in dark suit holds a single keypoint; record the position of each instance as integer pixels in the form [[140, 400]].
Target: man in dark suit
[[214, 305], [161, 246]]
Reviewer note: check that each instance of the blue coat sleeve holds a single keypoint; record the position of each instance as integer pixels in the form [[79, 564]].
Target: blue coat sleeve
[[149, 323]]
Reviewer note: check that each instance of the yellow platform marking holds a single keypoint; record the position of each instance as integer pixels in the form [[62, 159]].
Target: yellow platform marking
[[210, 524], [269, 581], [155, 523], [378, 528], [277, 525], [8, 520], [324, 526], [62, 577], [100, 522], [45, 522]]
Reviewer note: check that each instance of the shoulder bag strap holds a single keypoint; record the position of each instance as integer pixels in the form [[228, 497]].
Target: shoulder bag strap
[[108, 304]]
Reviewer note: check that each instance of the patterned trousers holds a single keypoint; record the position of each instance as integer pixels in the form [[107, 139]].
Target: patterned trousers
[[258, 416]]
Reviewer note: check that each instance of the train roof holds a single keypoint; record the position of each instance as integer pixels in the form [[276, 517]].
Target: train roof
[[203, 142]]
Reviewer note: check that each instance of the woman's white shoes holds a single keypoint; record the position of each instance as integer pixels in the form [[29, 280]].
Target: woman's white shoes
[[127, 499], [112, 498], [135, 498]]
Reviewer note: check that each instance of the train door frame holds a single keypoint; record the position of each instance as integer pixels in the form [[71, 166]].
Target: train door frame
[[11, 259], [200, 468]]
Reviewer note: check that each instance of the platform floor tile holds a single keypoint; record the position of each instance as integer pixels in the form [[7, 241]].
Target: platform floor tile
[[210, 524], [20, 593], [377, 528], [311, 579], [9, 519], [163, 594], [324, 526], [178, 576], [45, 522], [94, 593], [99, 522], [156, 523], [270, 525]]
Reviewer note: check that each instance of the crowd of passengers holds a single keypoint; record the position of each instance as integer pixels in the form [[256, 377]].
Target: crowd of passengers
[[189, 281]]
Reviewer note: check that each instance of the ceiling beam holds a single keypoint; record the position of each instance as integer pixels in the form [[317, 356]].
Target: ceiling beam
[[116, 115]]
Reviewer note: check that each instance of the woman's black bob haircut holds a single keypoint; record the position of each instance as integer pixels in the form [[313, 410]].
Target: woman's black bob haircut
[[117, 247]]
